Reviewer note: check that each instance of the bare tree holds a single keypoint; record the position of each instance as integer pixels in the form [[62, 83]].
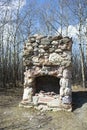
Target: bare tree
[[80, 12]]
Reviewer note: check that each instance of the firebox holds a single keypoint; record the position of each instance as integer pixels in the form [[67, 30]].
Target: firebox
[[47, 84], [47, 76]]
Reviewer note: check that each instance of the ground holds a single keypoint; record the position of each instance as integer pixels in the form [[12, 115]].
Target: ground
[[12, 117]]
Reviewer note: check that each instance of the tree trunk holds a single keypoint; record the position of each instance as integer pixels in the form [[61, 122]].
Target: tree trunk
[[82, 65]]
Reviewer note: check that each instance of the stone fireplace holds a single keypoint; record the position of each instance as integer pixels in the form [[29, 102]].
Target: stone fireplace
[[47, 76]]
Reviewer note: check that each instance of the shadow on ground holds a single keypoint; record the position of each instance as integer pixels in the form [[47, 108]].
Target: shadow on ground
[[78, 99]]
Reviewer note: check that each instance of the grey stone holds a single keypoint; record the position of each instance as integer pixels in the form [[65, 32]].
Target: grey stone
[[45, 41], [64, 82], [27, 95], [30, 48], [35, 59], [55, 58], [66, 63], [25, 53], [35, 100], [58, 51], [57, 38], [67, 100], [46, 47], [35, 44], [54, 42], [35, 49], [62, 47], [37, 41], [32, 39], [51, 50], [41, 50], [41, 46], [67, 74], [27, 62], [46, 54], [54, 103], [65, 40]]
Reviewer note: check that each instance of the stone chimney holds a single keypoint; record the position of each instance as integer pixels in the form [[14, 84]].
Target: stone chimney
[[48, 58]]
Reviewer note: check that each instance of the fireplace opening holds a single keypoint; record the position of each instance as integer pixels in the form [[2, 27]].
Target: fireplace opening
[[47, 84]]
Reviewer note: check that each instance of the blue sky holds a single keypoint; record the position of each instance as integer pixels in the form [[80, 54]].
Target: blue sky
[[42, 5]]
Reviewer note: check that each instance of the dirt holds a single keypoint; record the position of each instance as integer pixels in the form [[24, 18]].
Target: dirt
[[12, 117]]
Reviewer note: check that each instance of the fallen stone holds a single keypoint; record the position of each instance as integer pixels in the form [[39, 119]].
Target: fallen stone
[[42, 107], [54, 103]]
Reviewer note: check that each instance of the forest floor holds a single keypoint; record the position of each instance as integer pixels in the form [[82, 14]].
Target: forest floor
[[12, 117]]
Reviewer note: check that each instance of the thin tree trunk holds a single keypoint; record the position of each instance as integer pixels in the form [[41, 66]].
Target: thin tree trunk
[[80, 45], [82, 65]]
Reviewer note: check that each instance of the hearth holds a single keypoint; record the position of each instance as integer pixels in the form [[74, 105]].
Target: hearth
[[47, 76]]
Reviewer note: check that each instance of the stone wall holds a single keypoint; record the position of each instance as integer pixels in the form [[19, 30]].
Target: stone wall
[[43, 50], [47, 55]]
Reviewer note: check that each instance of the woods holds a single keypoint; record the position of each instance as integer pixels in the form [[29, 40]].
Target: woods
[[20, 19]]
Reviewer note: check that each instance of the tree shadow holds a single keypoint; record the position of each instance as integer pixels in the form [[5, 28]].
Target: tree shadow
[[78, 99]]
